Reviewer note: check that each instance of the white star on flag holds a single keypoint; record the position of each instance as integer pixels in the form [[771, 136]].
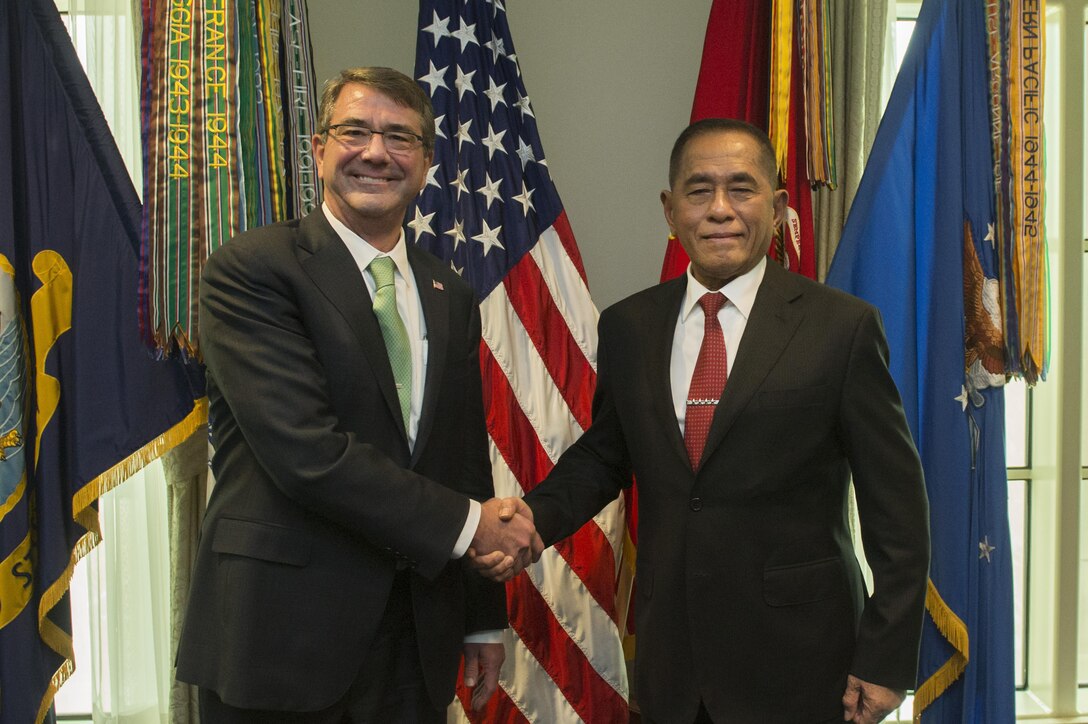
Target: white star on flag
[[522, 104], [985, 549], [490, 190], [440, 28], [496, 47], [525, 153], [435, 78], [422, 223], [459, 182], [489, 238], [464, 82], [525, 198], [494, 93], [458, 234], [463, 135], [431, 180], [493, 141], [466, 34]]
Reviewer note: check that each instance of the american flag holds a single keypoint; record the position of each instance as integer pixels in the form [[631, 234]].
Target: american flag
[[490, 208]]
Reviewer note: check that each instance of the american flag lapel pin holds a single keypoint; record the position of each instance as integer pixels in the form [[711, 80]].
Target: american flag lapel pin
[[438, 285]]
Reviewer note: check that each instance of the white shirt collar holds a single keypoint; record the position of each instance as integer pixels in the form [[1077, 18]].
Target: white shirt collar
[[741, 292], [363, 252]]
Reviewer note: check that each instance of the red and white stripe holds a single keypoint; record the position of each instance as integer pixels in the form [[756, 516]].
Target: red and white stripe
[[564, 658]]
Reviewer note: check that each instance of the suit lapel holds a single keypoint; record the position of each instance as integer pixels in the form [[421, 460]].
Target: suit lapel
[[772, 324], [660, 329], [333, 269], [436, 314]]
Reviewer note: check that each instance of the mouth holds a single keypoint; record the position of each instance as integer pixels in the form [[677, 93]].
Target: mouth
[[371, 180], [721, 236]]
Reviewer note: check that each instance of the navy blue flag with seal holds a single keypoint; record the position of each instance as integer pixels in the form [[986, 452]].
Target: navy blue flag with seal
[[83, 403], [919, 244]]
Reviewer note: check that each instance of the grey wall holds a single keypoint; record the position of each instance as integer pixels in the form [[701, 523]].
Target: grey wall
[[611, 82]]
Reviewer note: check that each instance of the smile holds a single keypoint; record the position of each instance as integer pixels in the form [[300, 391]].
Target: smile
[[372, 180]]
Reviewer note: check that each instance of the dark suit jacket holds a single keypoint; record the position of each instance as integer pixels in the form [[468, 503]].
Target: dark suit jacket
[[317, 495], [748, 591]]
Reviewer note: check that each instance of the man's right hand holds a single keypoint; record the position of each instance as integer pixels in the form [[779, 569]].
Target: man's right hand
[[506, 540]]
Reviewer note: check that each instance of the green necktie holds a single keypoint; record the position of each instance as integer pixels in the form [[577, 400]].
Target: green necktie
[[393, 331]]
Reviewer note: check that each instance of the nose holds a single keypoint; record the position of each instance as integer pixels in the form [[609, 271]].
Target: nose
[[720, 207], [375, 151]]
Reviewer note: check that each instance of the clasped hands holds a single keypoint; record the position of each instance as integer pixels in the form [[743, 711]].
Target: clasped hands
[[506, 540]]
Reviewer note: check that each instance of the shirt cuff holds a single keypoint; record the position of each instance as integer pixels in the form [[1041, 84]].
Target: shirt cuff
[[469, 531], [493, 636]]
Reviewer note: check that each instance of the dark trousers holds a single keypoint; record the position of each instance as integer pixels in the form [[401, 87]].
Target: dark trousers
[[388, 689]]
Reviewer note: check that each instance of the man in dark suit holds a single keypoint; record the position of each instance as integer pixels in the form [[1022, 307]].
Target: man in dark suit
[[350, 449], [742, 425]]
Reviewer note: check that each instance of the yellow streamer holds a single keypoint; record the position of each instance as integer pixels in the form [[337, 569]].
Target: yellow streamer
[[1027, 61], [781, 68]]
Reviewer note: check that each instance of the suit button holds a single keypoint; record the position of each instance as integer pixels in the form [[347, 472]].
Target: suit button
[[696, 504]]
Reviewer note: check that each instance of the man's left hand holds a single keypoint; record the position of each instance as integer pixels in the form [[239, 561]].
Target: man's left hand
[[865, 703], [482, 664]]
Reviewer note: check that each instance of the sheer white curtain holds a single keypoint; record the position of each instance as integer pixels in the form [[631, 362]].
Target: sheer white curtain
[[129, 572], [104, 33], [128, 575]]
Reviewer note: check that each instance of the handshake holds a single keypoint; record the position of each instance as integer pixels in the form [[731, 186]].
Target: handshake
[[506, 540]]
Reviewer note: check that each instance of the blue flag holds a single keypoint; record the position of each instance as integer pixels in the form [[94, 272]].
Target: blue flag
[[919, 245], [82, 402]]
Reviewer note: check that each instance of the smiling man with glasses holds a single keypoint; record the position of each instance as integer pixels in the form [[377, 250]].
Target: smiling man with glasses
[[351, 458], [376, 144]]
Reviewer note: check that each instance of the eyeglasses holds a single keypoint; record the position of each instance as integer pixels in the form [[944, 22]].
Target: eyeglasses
[[359, 137]]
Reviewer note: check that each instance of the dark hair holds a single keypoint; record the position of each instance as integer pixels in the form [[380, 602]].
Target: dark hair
[[399, 87], [721, 125]]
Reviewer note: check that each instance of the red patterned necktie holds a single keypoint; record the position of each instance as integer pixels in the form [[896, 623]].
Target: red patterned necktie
[[708, 380]]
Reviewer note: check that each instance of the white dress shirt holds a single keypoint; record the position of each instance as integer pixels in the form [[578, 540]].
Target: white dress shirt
[[688, 336]]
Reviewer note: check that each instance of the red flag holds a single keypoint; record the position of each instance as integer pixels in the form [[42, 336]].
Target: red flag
[[734, 82], [799, 238]]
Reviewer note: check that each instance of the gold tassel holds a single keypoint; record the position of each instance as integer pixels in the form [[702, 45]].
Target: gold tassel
[[954, 630]]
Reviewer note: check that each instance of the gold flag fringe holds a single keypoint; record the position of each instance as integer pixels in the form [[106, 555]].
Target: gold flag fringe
[[954, 630], [123, 470], [83, 513]]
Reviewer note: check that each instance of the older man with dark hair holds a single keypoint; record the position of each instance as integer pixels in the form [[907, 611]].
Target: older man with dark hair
[[742, 398]]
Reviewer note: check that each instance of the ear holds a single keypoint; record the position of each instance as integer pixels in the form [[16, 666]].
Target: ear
[[781, 202], [666, 205], [317, 144]]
